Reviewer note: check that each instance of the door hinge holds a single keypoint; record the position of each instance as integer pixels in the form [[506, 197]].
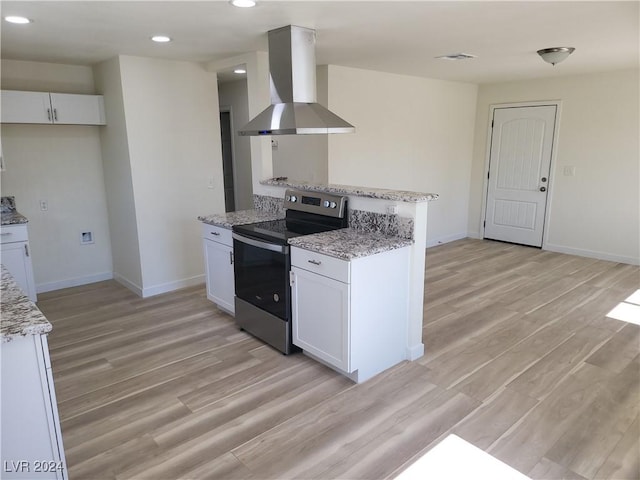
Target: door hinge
[[26, 249], [488, 174], [491, 123], [484, 224], [231, 258], [291, 278]]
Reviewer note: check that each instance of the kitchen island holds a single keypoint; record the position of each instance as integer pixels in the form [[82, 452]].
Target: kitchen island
[[369, 276], [31, 441]]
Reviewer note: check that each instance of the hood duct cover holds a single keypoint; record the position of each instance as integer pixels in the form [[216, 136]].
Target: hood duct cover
[[292, 70]]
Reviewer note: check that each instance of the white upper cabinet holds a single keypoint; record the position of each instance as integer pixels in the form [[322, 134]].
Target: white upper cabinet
[[53, 108]]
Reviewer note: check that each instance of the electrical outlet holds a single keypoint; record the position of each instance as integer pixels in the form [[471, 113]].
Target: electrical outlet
[[274, 144], [569, 171], [44, 205], [210, 183], [392, 209]]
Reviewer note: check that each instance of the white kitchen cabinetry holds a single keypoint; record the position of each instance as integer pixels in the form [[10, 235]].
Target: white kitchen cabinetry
[[31, 441], [16, 257], [351, 315], [218, 256], [55, 108]]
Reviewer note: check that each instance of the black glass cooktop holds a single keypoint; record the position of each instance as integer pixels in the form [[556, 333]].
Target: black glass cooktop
[[296, 224]]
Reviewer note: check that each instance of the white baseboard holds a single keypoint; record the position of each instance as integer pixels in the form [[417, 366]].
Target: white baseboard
[[125, 282], [73, 282], [591, 254], [171, 286], [446, 239], [415, 352], [474, 234]]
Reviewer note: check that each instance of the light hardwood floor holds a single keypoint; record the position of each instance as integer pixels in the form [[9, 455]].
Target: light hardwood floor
[[520, 360]]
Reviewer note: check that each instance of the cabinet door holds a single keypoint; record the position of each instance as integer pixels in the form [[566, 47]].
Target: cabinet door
[[320, 308], [29, 438], [26, 107], [16, 257], [70, 109], [219, 274]]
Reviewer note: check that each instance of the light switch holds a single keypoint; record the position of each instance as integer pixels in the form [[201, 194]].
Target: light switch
[[569, 171]]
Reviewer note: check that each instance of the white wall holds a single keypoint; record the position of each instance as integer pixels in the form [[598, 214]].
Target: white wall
[[61, 164], [123, 224], [596, 212], [173, 130], [234, 96], [411, 134]]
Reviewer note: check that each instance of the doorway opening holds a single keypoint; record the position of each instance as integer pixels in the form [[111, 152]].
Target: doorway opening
[[227, 161]]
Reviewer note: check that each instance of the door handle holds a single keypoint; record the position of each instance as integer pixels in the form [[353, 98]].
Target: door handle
[[26, 250], [543, 189]]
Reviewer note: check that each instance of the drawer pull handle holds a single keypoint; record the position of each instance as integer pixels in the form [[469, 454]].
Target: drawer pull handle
[[6, 233], [314, 262], [215, 233]]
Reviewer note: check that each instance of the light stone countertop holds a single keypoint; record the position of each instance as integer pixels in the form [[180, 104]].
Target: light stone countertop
[[348, 243], [13, 218], [20, 316], [382, 193], [241, 217]]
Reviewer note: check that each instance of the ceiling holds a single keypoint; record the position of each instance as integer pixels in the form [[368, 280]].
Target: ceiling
[[392, 36]]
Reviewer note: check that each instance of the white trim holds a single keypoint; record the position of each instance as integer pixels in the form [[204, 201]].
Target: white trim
[[552, 165], [127, 284], [474, 234], [171, 286], [434, 242], [591, 254], [415, 352], [73, 282]]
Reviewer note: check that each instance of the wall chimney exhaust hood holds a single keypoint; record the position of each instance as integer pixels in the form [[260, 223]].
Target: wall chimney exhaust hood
[[292, 72]]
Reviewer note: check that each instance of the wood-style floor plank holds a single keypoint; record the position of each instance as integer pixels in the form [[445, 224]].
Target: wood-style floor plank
[[520, 361]]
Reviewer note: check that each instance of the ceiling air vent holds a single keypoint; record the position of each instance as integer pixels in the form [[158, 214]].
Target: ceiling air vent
[[456, 56]]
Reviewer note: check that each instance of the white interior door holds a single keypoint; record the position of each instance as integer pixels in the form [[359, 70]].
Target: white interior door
[[519, 164]]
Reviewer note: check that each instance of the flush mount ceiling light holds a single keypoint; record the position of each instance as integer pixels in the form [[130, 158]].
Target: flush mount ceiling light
[[456, 56], [161, 38], [243, 3], [556, 54], [239, 71], [17, 19]]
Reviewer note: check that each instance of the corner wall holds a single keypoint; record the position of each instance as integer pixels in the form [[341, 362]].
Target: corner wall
[[595, 213], [173, 131], [411, 134]]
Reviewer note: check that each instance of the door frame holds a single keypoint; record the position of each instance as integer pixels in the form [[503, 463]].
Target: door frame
[[552, 166], [229, 109]]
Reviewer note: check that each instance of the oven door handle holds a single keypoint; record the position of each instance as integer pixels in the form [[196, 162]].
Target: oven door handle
[[260, 244]]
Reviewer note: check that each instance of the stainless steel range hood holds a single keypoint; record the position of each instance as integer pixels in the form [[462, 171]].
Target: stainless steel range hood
[[293, 109]]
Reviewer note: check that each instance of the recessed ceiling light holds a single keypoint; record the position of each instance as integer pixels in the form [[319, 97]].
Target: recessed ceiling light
[[243, 3], [16, 19], [161, 38], [239, 71], [456, 56]]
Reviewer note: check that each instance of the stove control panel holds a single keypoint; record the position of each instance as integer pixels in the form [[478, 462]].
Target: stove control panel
[[316, 202]]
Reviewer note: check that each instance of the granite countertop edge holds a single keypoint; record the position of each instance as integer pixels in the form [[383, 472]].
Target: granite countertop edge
[[348, 243], [240, 217], [20, 316], [380, 193], [13, 218]]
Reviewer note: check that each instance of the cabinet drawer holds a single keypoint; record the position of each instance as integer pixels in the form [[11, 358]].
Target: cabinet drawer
[[13, 233], [217, 234], [322, 264]]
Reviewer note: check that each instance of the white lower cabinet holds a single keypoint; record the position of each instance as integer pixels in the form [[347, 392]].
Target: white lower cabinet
[[31, 440], [16, 257], [351, 315], [218, 256]]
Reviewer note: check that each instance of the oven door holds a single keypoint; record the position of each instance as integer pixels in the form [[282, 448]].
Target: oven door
[[262, 274]]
